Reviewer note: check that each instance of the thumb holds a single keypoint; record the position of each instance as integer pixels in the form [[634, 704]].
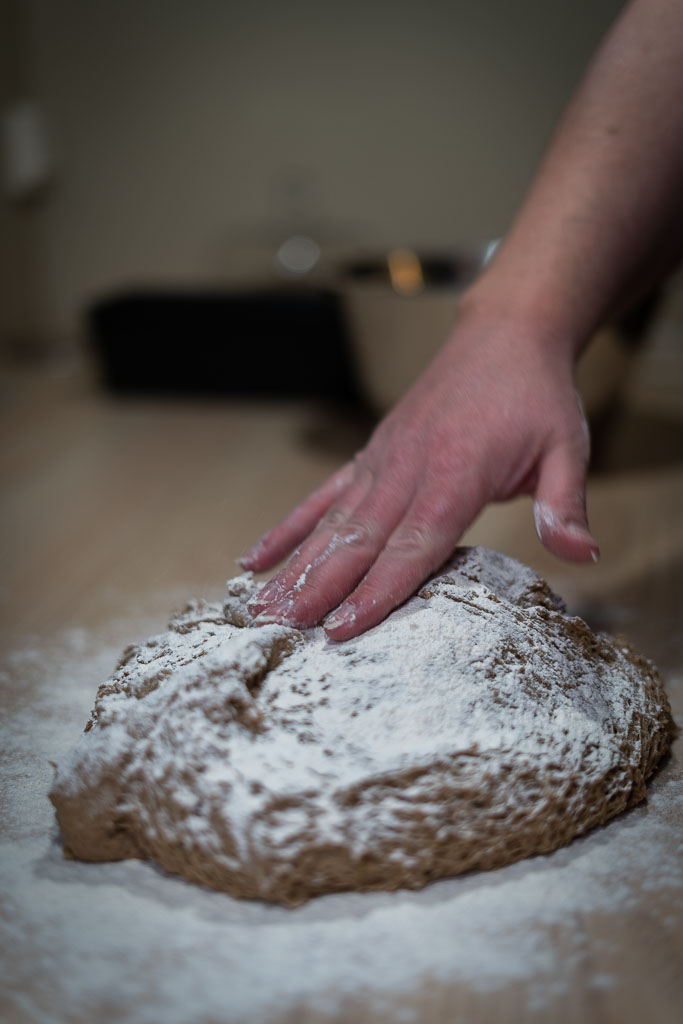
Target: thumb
[[560, 504]]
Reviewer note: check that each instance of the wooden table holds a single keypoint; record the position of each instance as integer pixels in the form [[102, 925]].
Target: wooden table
[[113, 513]]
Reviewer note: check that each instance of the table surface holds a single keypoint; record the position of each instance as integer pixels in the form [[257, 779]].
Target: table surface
[[114, 513]]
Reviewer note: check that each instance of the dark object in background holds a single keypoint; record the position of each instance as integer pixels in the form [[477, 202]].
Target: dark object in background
[[270, 343]]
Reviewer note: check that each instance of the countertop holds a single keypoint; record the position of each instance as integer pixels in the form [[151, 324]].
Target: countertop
[[114, 512]]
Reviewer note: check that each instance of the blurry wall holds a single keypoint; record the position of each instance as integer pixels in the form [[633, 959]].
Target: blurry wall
[[22, 325], [187, 135]]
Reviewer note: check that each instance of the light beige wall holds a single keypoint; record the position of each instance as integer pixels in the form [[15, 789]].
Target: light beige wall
[[179, 125], [22, 324]]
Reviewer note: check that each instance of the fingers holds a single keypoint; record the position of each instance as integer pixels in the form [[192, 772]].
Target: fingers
[[326, 532], [279, 541], [560, 504], [336, 556], [418, 546]]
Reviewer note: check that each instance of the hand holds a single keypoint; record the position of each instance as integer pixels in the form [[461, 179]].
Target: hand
[[495, 415]]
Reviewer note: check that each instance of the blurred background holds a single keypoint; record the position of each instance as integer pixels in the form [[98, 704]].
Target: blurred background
[[182, 143], [230, 236]]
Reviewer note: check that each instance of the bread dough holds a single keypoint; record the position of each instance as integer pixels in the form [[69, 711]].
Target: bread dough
[[477, 725]]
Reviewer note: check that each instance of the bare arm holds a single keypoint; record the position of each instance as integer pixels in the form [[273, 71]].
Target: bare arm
[[496, 414], [608, 198]]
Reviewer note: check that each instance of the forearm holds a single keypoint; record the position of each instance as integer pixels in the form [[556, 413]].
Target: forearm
[[496, 413], [605, 211]]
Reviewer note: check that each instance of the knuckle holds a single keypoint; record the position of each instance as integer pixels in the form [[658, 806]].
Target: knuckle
[[343, 477], [573, 434], [442, 508], [357, 536], [572, 451], [333, 519], [365, 476], [410, 540]]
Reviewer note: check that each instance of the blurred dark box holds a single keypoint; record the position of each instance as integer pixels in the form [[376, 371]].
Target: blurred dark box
[[288, 343]]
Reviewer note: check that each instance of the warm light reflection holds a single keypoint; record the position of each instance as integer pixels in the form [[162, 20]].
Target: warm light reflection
[[405, 272]]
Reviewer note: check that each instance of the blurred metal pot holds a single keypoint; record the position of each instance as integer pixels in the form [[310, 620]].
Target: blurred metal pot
[[400, 308]]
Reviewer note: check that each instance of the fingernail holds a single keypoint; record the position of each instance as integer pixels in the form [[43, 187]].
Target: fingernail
[[246, 560], [270, 592], [279, 612], [580, 531], [333, 623], [547, 518], [265, 618], [575, 527], [250, 556], [340, 617]]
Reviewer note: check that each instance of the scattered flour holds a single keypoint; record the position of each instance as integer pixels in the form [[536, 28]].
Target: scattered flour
[[111, 942]]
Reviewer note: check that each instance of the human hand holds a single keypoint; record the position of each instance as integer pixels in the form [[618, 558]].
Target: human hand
[[494, 415]]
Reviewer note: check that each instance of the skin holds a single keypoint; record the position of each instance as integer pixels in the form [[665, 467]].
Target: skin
[[496, 413]]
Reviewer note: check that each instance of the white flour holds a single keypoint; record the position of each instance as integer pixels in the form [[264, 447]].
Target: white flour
[[112, 942], [476, 725]]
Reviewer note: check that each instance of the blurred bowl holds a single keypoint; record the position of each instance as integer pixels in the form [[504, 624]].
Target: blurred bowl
[[399, 308], [399, 316]]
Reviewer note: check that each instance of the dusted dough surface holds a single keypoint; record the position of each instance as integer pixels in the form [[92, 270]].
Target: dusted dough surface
[[477, 725]]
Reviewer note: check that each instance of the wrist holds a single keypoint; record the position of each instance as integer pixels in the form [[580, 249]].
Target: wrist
[[530, 305]]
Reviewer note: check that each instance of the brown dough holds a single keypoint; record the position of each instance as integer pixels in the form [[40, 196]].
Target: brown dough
[[477, 725]]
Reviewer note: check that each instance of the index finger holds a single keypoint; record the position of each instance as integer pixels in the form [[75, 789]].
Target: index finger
[[295, 527]]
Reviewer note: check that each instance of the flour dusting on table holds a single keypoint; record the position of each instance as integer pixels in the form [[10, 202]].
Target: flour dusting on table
[[125, 941]]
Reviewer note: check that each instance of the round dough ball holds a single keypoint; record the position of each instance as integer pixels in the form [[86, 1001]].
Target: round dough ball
[[477, 725]]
